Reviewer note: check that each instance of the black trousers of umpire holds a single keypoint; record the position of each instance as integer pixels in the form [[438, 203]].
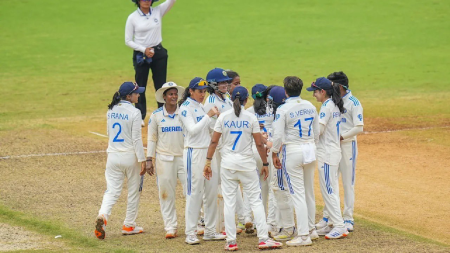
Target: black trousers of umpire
[[159, 75]]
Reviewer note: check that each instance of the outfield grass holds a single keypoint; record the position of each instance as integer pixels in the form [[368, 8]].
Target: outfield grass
[[68, 58]]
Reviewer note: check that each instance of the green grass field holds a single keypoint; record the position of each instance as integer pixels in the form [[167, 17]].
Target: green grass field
[[62, 61]]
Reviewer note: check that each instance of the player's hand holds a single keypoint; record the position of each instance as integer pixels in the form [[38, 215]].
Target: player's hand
[[143, 169], [207, 172], [213, 111], [150, 168], [149, 52], [269, 144], [276, 161], [342, 138], [265, 172]]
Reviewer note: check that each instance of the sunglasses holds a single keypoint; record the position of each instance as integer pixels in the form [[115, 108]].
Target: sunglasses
[[135, 88], [146, 0], [315, 86]]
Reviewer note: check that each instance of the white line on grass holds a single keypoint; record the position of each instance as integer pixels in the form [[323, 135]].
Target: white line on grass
[[405, 129]]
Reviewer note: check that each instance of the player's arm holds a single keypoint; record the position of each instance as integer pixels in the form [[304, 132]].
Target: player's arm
[[278, 129], [166, 6], [358, 123], [207, 172], [324, 117], [152, 139], [136, 138], [316, 127], [189, 124]]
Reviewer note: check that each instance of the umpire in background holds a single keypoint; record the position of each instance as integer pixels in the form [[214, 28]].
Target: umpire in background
[[143, 35]]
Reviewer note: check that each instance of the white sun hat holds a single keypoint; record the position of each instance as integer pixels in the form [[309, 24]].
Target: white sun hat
[[169, 85]]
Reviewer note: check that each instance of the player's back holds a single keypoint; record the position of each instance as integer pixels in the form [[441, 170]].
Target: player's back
[[301, 123], [237, 137], [120, 121]]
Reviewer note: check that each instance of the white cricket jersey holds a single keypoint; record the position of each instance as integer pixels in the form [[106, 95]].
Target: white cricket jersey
[[328, 147], [352, 116], [237, 135], [296, 122], [124, 130], [267, 118], [195, 123], [165, 134], [222, 105], [144, 30]]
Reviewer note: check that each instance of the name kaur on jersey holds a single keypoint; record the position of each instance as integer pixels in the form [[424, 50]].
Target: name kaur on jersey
[[301, 112], [115, 115], [236, 124]]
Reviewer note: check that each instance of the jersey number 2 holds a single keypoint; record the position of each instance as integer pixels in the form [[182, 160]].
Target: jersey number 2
[[116, 138], [239, 133]]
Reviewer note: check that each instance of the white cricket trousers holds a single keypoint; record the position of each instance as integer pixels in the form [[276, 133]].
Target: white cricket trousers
[[167, 173], [329, 186], [119, 166], [347, 170], [251, 188], [197, 186], [284, 209], [300, 182]]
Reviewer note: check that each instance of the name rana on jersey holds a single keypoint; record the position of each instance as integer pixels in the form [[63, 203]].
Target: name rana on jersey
[[236, 124], [171, 129], [301, 112], [114, 115]]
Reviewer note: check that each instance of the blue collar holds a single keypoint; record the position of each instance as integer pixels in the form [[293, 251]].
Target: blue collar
[[143, 14], [348, 92], [124, 101], [193, 100], [165, 113]]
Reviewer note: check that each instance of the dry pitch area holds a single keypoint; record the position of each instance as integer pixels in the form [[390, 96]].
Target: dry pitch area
[[401, 183]]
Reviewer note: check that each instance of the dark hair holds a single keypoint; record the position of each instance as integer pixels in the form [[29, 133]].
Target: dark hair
[[237, 103], [115, 100], [186, 94], [260, 103], [335, 94], [210, 90], [231, 74], [138, 5], [293, 86], [340, 78]]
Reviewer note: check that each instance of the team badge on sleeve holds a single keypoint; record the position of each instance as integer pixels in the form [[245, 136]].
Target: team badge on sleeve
[[322, 114], [184, 113], [360, 117]]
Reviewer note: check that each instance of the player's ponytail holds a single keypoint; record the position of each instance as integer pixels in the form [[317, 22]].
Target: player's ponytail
[[115, 100], [186, 94], [237, 105], [335, 94]]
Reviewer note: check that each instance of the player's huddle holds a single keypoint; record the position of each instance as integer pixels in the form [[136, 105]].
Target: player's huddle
[[268, 150]]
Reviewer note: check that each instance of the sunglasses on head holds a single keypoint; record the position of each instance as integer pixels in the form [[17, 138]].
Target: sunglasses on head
[[202, 83], [146, 0], [315, 86], [135, 88]]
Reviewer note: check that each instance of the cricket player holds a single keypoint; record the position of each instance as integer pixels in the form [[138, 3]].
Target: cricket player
[[239, 128], [195, 122], [296, 129], [329, 152], [165, 146], [351, 125], [126, 158]]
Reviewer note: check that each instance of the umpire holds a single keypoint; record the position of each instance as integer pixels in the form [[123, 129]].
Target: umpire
[[143, 35]]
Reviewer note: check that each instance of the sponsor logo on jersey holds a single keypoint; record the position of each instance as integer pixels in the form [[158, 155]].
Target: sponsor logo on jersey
[[236, 124], [343, 120], [336, 114], [360, 117], [200, 118], [322, 114], [171, 129], [184, 113]]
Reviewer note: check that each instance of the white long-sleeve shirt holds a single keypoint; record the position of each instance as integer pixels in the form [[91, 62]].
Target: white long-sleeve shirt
[[124, 130], [195, 124], [144, 30], [351, 118], [329, 145], [222, 104], [165, 133], [237, 136], [296, 122]]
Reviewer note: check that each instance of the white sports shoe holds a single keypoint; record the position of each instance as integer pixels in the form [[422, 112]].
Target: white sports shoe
[[171, 234], [273, 230], [337, 233], [313, 234], [285, 234], [303, 240], [269, 244], [214, 237], [131, 230], [349, 225], [192, 239], [324, 231], [322, 223]]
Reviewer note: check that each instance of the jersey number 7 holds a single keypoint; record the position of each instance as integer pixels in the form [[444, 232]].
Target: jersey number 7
[[239, 133]]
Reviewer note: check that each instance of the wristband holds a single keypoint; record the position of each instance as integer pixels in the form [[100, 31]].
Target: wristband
[[265, 164], [208, 158]]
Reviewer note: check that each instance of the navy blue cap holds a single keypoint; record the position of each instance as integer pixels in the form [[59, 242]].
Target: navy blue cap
[[257, 90], [321, 83], [240, 92], [198, 83], [277, 94], [129, 87], [217, 75]]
